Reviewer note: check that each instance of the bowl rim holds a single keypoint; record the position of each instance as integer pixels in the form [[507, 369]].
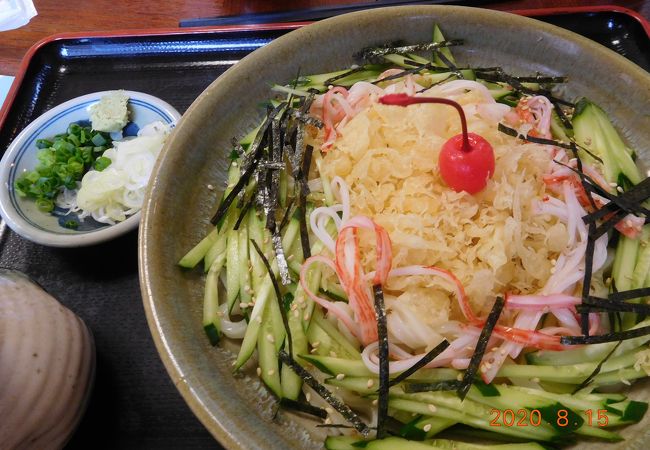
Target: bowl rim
[[13, 218], [181, 377]]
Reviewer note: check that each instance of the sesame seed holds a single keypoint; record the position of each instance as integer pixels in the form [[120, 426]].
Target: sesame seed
[[308, 396], [619, 189], [270, 338], [294, 307], [340, 376], [296, 313], [375, 401], [306, 317], [503, 351], [243, 305], [316, 343], [459, 377], [220, 314], [370, 383], [313, 350], [329, 410], [234, 163], [432, 408], [290, 258], [327, 421], [535, 380], [210, 187], [427, 428], [333, 354], [231, 185], [259, 371], [271, 372], [552, 270], [494, 349], [259, 319]]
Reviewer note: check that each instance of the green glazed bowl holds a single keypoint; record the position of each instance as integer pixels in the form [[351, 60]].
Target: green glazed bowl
[[237, 410]]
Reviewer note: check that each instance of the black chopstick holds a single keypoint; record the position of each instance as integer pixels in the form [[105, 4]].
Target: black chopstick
[[309, 14]]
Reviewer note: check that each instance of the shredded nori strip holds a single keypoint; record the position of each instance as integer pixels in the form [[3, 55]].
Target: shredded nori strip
[[587, 182], [587, 381], [325, 393], [273, 174], [448, 63], [256, 150], [283, 266], [608, 337], [373, 52], [382, 332], [481, 346], [604, 304], [272, 198], [287, 215], [271, 165], [607, 224], [500, 76], [526, 79], [541, 79], [629, 201], [298, 149], [242, 213], [447, 385], [278, 295], [344, 75], [537, 140], [305, 118], [303, 407], [586, 283], [563, 118], [302, 201], [426, 359], [629, 294]]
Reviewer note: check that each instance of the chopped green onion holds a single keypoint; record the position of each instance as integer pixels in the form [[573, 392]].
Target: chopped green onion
[[101, 163]]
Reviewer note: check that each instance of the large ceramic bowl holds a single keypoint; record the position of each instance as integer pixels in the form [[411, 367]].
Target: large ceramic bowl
[[176, 215]]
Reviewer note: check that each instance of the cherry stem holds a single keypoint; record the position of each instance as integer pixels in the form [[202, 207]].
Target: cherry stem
[[406, 100]]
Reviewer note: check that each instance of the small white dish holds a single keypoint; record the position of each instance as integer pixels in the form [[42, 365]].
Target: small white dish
[[22, 215]]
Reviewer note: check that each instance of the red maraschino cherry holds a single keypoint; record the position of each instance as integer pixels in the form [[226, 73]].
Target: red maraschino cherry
[[466, 161]]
